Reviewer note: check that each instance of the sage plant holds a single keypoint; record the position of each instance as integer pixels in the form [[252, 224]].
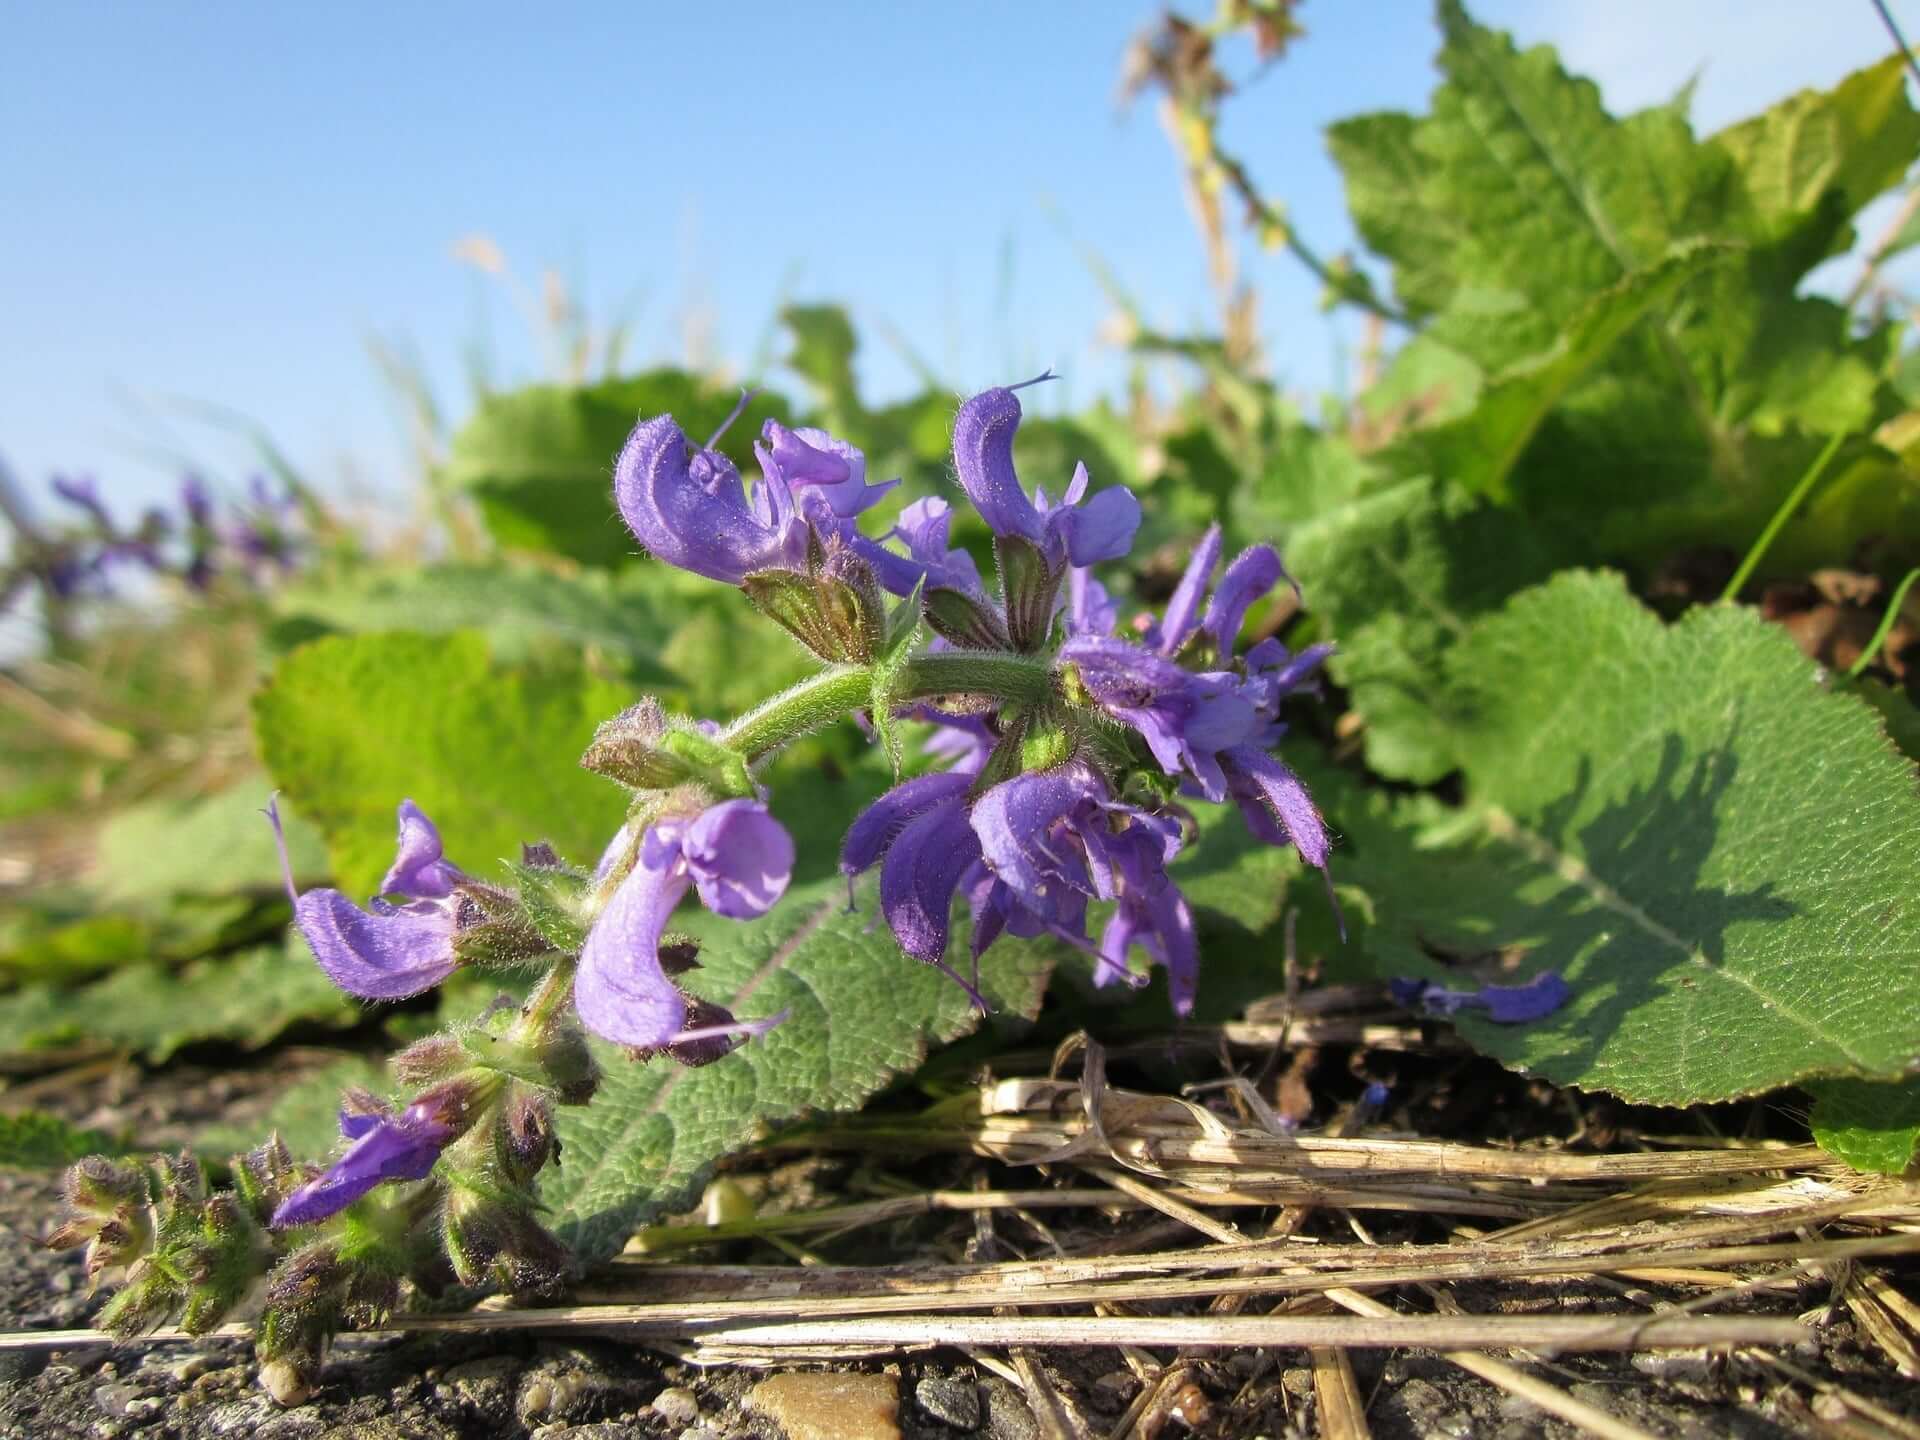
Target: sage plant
[[1074, 749]]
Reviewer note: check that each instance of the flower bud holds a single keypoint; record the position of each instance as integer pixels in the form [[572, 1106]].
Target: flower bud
[[434, 1057], [264, 1176], [493, 1241], [524, 1140]]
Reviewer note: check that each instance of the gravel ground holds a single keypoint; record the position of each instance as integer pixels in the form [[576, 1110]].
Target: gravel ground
[[507, 1388]]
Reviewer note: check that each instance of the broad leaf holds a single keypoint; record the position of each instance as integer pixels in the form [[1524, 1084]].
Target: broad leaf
[[1872, 1125], [245, 999], [32, 1140], [1715, 851], [1479, 450], [520, 610], [351, 725], [217, 844], [1813, 160], [1397, 578], [861, 1013]]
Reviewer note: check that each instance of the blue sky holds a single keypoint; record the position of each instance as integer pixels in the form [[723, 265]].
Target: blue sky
[[222, 202]]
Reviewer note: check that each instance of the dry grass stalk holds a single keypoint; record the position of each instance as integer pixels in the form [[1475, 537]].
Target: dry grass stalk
[[1336, 1393]]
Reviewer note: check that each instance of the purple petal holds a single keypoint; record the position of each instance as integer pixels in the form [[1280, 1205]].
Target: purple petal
[[923, 868], [1090, 610], [418, 870], [983, 457], [741, 858], [690, 509], [1183, 610], [877, 826], [402, 1149], [1102, 529], [830, 469], [1013, 819], [386, 955], [621, 992], [1519, 1004], [1276, 804], [1254, 572]]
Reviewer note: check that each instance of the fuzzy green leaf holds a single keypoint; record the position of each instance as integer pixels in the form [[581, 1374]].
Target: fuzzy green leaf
[[627, 617], [861, 1013], [32, 1140], [1715, 851], [1398, 577], [216, 844], [350, 725], [245, 999], [1479, 450], [1872, 1125]]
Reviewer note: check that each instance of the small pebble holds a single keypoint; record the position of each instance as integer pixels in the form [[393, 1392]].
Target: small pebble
[[1115, 1390], [677, 1405], [812, 1406], [950, 1398]]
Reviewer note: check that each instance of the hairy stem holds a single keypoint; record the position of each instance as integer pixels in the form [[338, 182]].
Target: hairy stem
[[841, 689]]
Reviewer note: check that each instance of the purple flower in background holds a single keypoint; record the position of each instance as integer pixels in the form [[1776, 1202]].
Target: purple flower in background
[[386, 951], [740, 859], [83, 491], [1102, 529], [196, 503], [1503, 1004], [402, 1147]]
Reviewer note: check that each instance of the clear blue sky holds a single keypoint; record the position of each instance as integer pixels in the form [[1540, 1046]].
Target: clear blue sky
[[221, 201]]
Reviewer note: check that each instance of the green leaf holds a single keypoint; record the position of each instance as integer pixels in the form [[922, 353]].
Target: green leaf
[[350, 725], [1229, 872], [1873, 1126], [217, 844], [1812, 161], [1479, 450], [32, 1140], [246, 999], [860, 1013], [1384, 170], [540, 460], [1715, 851], [628, 617], [1397, 578]]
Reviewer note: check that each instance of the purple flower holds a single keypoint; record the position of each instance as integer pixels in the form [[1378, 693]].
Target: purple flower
[[1503, 1004], [920, 835], [1253, 573], [930, 559], [1090, 610], [1102, 529], [1183, 610], [196, 502], [821, 472], [1051, 841], [1185, 717], [83, 491], [385, 952], [419, 871], [691, 510], [740, 859], [402, 1147]]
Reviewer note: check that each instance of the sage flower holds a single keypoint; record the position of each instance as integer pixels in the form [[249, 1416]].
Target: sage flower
[[740, 859]]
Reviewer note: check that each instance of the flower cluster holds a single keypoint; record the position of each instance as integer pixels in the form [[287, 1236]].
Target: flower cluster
[[1072, 751], [257, 538]]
